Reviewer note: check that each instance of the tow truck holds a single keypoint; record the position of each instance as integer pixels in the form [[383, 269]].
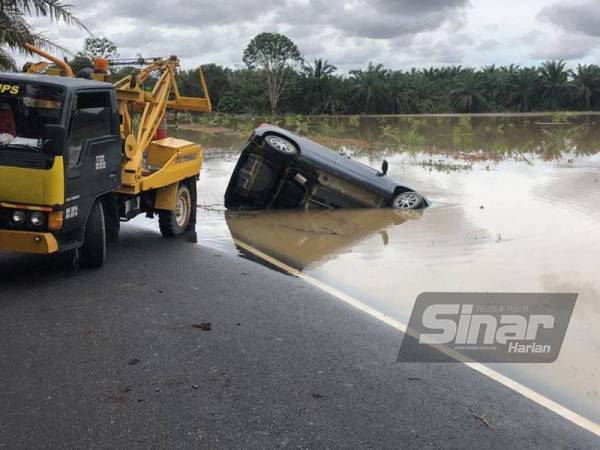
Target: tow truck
[[79, 156]]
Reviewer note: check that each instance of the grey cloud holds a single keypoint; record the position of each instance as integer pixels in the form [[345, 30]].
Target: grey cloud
[[376, 19], [577, 17], [564, 46], [347, 32], [185, 13]]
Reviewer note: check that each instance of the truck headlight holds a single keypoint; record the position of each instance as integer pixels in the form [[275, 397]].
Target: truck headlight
[[19, 217], [37, 219]]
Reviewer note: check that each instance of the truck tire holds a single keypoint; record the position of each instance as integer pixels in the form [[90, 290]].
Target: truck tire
[[93, 252], [174, 223]]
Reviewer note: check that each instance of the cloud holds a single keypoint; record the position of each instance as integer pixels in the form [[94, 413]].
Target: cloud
[[576, 30], [582, 17], [565, 46], [349, 33], [375, 19]]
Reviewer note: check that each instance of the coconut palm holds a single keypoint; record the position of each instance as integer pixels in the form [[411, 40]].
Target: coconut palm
[[15, 31]]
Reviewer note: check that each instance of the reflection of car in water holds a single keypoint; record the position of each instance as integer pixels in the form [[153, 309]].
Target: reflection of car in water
[[302, 238], [281, 170]]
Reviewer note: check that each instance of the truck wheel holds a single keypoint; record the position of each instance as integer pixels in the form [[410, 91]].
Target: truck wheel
[[93, 252], [174, 223]]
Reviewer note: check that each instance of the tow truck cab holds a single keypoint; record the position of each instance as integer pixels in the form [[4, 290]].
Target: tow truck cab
[[60, 153]]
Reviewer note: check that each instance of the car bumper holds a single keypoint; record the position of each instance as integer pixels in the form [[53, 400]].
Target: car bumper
[[28, 242]]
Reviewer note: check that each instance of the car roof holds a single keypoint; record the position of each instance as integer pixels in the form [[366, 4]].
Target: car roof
[[70, 83]]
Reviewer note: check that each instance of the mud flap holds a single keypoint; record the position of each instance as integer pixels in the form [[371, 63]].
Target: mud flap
[[190, 232], [112, 220]]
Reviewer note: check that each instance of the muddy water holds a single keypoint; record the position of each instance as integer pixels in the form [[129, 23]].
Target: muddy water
[[515, 209]]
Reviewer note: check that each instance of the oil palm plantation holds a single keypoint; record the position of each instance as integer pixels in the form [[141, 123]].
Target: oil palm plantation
[[15, 31]]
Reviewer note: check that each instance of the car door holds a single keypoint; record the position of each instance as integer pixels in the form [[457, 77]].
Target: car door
[[93, 152]]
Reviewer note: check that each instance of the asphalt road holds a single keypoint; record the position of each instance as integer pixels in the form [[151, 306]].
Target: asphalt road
[[118, 358]]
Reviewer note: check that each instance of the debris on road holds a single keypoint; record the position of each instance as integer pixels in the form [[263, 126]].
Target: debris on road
[[482, 419]]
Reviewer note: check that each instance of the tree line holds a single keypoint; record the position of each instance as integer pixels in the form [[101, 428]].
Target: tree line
[[318, 88], [276, 77]]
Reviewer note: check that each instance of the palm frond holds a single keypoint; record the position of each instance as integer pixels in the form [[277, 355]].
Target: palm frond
[[6, 61], [55, 10]]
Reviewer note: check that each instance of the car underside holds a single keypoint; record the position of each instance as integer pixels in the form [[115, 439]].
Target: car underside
[[275, 171]]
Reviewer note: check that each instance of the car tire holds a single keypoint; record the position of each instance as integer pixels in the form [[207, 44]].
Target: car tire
[[174, 223], [280, 146], [93, 252], [408, 200]]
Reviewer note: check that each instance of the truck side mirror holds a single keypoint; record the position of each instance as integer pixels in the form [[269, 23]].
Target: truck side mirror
[[54, 139]]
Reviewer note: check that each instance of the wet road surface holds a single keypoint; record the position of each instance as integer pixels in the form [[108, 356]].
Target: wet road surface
[[175, 345]]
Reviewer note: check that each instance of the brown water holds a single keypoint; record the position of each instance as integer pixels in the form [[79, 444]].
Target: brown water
[[515, 208]]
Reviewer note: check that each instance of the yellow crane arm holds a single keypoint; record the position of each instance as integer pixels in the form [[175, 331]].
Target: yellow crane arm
[[152, 107], [59, 62]]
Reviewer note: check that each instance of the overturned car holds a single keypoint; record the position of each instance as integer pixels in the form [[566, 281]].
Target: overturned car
[[281, 170]]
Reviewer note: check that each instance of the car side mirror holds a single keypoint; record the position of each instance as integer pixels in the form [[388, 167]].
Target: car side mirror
[[384, 168], [54, 139]]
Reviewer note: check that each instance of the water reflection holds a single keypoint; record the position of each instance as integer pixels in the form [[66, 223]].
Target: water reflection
[[307, 239], [468, 138]]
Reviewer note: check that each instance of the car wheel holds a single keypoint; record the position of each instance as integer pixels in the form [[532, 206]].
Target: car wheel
[[280, 145], [93, 252], [408, 200], [174, 223]]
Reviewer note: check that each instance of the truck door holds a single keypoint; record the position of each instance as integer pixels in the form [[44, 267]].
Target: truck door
[[92, 154]]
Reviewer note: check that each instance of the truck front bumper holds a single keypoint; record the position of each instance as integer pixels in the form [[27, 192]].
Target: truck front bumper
[[28, 242]]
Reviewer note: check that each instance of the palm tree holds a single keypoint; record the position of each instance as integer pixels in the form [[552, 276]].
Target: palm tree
[[15, 31], [422, 93], [319, 76], [467, 96], [586, 84], [369, 86], [523, 87], [554, 78], [400, 93]]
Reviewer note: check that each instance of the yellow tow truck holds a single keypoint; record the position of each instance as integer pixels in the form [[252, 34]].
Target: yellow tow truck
[[79, 156]]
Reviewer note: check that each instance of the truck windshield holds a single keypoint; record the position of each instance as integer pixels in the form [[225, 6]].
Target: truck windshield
[[25, 109]]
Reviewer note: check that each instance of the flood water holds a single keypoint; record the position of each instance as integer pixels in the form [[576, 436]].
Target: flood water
[[514, 209]]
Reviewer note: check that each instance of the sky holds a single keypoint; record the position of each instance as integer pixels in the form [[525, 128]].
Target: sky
[[348, 33]]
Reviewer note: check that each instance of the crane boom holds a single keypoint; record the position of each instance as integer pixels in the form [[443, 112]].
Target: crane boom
[[142, 109]]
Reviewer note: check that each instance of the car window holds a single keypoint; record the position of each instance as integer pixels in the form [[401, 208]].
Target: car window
[[90, 119]]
